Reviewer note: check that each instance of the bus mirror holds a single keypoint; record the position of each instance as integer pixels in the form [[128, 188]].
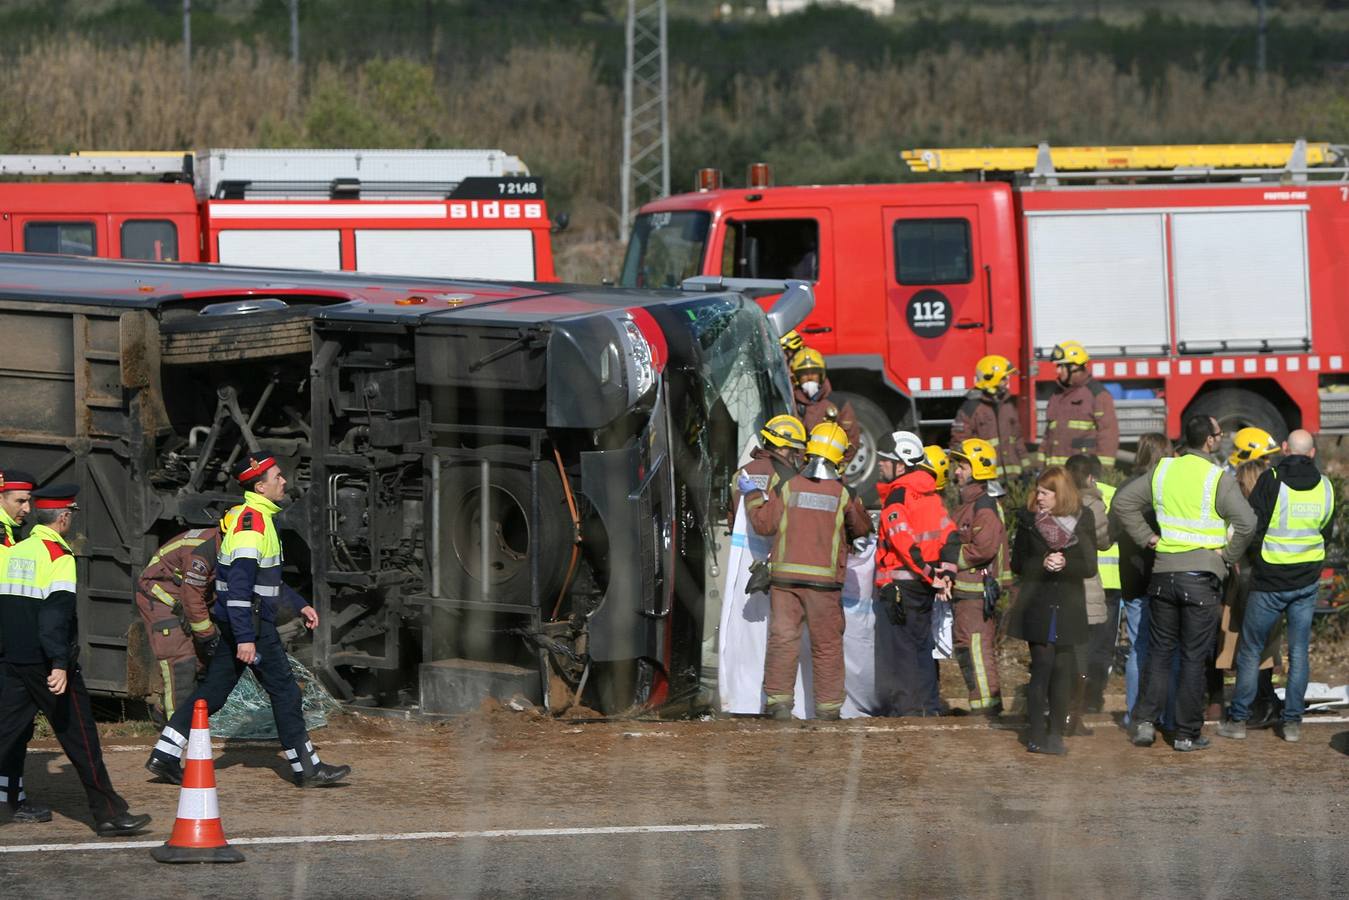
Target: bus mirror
[[792, 307]]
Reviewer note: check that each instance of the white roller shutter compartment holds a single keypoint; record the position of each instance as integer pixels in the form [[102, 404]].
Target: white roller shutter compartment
[[1241, 277], [506, 254], [282, 248], [1099, 280]]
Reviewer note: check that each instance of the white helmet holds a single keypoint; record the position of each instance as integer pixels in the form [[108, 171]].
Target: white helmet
[[902, 446]]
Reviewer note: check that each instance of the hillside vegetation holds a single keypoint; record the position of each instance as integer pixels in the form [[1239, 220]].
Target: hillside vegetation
[[830, 95]]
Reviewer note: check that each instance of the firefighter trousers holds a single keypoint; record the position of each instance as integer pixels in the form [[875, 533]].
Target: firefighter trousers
[[973, 638], [906, 679], [223, 672], [11, 769], [176, 663], [23, 692], [821, 611]]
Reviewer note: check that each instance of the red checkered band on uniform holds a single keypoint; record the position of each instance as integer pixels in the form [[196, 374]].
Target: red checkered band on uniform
[[256, 470]]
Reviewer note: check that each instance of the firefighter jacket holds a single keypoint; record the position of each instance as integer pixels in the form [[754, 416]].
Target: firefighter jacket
[[37, 601], [766, 470], [983, 540], [814, 522], [983, 415], [1195, 503], [181, 576], [1080, 419], [248, 570], [918, 540], [813, 412]]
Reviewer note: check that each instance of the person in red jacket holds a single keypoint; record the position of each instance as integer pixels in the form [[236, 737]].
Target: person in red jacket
[[915, 559], [983, 553], [814, 518]]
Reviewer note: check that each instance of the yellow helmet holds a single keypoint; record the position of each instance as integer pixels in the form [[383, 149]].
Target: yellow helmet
[[785, 431], [938, 463], [807, 359], [1070, 353], [1251, 443], [992, 371], [981, 456], [828, 441], [791, 342]]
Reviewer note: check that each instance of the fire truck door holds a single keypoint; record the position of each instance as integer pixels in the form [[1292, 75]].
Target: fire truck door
[[938, 309], [783, 243]]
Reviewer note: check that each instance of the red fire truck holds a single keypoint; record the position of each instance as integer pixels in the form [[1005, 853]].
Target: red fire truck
[[428, 213], [1200, 278]]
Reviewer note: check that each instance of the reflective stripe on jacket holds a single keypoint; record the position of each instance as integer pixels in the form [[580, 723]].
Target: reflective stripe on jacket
[[37, 600], [983, 539], [813, 522], [995, 421], [181, 575], [1294, 532], [1107, 560], [1080, 419], [248, 568], [1185, 495], [917, 535]]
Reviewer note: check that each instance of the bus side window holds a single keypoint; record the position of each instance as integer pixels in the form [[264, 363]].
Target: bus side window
[[151, 239], [76, 238]]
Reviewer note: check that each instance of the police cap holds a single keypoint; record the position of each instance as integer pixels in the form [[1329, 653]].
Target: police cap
[[56, 496], [16, 480]]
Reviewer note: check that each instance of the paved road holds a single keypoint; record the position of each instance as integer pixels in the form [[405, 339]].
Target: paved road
[[883, 808]]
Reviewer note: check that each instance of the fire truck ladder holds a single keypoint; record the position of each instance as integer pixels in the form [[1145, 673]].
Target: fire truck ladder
[[169, 165], [1049, 165], [348, 174]]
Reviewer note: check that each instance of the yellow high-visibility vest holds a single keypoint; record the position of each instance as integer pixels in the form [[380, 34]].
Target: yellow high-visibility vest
[[1185, 497], [1107, 560], [1294, 533]]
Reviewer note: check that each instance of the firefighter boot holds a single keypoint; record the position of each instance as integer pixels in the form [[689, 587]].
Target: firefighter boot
[[966, 662], [779, 712], [1077, 704], [31, 812]]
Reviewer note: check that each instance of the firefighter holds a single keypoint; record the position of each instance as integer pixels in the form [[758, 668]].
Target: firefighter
[[812, 399], [990, 413], [940, 463], [15, 503], [1250, 444], [40, 670], [174, 596], [915, 558], [777, 458], [1196, 503], [983, 554], [1081, 413], [791, 344], [814, 518], [248, 592]]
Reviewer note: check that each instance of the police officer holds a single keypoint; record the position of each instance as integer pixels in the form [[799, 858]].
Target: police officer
[[1081, 413], [40, 672], [990, 413], [813, 405], [173, 596], [915, 557], [248, 590], [15, 492], [983, 557], [1294, 505], [1196, 503], [814, 517]]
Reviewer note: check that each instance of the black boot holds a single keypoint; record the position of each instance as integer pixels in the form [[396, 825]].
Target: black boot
[[1077, 703], [320, 775]]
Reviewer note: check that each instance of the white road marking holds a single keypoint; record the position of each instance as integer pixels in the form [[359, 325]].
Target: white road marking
[[221, 745], [406, 836]]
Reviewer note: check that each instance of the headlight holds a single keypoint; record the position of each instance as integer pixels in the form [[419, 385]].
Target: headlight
[[639, 351]]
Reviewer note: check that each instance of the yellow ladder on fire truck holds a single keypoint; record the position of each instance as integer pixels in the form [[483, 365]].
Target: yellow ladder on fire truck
[[1046, 160]]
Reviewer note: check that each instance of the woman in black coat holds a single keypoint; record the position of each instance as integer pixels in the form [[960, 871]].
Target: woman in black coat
[[1053, 553]]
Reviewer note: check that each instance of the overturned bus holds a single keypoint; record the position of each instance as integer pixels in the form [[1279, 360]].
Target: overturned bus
[[495, 487]]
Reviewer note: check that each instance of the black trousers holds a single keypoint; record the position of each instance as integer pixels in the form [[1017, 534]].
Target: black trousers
[[24, 691], [223, 672], [906, 676], [1185, 609], [11, 769], [1101, 647], [1052, 667]]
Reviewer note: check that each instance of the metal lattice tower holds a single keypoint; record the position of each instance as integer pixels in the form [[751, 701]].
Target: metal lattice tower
[[646, 108]]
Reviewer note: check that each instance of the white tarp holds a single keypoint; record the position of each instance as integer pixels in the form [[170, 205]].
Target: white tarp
[[1321, 697], [744, 634]]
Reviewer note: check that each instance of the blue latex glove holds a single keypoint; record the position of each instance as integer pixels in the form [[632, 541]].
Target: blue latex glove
[[745, 484]]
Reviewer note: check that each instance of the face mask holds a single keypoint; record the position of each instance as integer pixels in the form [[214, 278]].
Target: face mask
[[810, 388]]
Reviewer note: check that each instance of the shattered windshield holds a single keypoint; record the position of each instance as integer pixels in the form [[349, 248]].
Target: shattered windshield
[[666, 248]]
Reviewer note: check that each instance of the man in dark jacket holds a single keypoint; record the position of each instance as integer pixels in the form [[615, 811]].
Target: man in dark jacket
[[1294, 507]]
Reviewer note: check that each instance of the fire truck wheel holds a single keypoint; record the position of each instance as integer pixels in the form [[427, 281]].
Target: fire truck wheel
[[508, 531], [872, 422], [1236, 408]]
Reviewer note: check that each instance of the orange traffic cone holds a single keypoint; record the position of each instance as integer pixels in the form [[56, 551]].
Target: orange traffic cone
[[197, 836]]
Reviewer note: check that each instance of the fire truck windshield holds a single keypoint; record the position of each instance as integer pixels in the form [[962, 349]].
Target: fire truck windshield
[[666, 248]]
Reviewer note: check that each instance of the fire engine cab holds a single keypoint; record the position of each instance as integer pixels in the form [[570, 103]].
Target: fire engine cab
[[428, 213], [1201, 279]]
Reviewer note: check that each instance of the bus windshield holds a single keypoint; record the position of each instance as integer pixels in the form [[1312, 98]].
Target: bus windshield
[[666, 248]]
